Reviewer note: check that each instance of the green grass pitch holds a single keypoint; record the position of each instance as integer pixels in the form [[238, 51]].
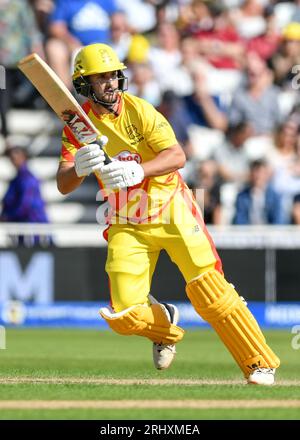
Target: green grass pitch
[[87, 365]]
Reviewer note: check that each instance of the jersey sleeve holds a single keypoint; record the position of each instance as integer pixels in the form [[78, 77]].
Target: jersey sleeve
[[158, 131], [69, 146]]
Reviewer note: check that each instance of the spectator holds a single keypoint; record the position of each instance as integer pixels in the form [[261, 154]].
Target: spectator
[[138, 51], [43, 9], [287, 56], [296, 210], [140, 14], [205, 109], [231, 157], [19, 36], [285, 163], [180, 80], [258, 203], [257, 101], [207, 112], [249, 18], [120, 36], [218, 82], [143, 84], [174, 110], [266, 43], [73, 24], [197, 17], [23, 202], [218, 39], [190, 59], [167, 10], [166, 57], [208, 194], [296, 14], [131, 47]]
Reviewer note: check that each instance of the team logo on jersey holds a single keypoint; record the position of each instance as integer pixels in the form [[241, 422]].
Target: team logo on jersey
[[126, 156], [134, 136]]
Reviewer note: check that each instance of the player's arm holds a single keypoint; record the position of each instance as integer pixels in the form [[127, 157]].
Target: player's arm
[[60, 31], [166, 161], [66, 178]]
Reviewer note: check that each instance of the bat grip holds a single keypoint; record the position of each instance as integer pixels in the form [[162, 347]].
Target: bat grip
[[102, 141]]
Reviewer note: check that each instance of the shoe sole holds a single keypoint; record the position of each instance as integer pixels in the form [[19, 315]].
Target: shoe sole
[[253, 382]]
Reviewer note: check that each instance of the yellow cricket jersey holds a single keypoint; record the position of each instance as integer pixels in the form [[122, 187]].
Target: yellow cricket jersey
[[139, 133]]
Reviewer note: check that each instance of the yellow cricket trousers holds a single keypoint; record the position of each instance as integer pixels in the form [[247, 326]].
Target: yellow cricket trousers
[[133, 250]]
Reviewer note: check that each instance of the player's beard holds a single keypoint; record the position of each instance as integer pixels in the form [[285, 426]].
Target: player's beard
[[108, 99], [109, 96]]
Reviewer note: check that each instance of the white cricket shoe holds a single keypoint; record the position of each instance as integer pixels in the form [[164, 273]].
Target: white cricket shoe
[[163, 354], [262, 376]]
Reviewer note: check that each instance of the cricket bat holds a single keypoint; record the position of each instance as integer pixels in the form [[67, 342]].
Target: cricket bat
[[61, 100]]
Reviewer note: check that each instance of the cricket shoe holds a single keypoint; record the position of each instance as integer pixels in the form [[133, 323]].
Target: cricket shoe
[[262, 376], [163, 354]]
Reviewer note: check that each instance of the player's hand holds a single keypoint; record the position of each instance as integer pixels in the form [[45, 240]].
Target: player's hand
[[89, 159], [121, 174]]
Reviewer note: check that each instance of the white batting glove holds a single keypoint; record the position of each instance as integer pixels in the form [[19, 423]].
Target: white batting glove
[[89, 159], [119, 174]]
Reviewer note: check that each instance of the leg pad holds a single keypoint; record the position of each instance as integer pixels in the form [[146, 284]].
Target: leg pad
[[216, 301], [143, 320]]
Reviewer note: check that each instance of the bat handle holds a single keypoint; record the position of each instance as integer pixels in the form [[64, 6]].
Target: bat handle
[[102, 141]]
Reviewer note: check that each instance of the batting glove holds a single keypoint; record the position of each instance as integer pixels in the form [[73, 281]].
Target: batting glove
[[89, 159], [119, 174]]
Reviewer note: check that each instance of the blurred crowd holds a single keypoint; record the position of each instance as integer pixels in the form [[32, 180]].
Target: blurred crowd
[[226, 74]]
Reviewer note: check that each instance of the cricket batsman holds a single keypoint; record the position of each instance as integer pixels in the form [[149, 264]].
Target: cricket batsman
[[152, 209]]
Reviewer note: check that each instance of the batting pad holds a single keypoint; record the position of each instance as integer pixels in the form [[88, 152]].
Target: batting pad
[[219, 304], [143, 320]]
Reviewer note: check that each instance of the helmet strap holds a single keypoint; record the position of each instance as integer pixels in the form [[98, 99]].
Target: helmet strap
[[107, 105]]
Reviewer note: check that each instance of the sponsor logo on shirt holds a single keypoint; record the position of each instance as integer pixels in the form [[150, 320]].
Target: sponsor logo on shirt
[[127, 156]]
